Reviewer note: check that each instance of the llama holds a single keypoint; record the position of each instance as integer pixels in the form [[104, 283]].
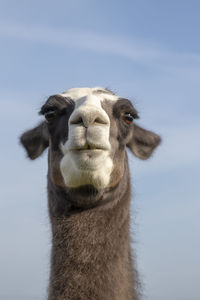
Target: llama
[[87, 131]]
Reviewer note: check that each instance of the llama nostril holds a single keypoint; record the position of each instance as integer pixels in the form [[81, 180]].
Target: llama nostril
[[77, 121], [99, 120]]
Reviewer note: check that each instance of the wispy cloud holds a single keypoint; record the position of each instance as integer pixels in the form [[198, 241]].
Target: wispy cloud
[[137, 50], [134, 50]]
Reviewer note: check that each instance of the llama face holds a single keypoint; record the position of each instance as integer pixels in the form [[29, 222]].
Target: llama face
[[88, 146], [87, 130]]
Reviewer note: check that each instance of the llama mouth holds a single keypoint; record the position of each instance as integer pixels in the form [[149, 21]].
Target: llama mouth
[[88, 150], [88, 147]]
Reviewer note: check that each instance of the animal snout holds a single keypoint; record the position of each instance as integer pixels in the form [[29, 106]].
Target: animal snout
[[88, 116]]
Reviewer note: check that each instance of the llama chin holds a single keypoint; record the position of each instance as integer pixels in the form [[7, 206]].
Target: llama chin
[[85, 167]]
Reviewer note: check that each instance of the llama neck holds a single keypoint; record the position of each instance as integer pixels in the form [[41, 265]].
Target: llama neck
[[91, 256]]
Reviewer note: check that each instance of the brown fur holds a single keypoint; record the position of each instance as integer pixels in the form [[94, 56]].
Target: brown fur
[[91, 254]]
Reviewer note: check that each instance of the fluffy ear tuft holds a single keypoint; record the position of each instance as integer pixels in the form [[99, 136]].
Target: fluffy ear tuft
[[36, 140], [143, 142]]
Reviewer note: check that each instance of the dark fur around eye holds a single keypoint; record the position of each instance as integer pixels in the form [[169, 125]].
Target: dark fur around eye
[[50, 114], [48, 109], [57, 104], [123, 107]]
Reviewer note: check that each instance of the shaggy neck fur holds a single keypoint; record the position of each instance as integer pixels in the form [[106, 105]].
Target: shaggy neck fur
[[91, 254]]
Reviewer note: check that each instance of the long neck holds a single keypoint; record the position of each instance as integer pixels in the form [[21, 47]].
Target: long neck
[[91, 256]]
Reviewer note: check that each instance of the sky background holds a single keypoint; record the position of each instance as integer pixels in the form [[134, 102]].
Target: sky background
[[147, 51]]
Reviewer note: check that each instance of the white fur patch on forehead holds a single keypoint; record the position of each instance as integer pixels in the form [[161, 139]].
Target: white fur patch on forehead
[[83, 92]]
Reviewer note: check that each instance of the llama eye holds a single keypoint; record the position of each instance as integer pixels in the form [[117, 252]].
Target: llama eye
[[50, 115], [128, 118]]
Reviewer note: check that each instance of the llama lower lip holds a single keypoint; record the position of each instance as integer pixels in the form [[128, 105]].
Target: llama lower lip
[[89, 150], [91, 154]]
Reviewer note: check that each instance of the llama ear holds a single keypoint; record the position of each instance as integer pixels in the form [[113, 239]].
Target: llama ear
[[36, 140], [143, 142]]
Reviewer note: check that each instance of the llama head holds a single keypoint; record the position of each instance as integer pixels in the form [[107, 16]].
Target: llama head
[[87, 131]]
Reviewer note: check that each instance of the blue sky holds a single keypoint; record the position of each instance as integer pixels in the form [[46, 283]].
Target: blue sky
[[147, 51]]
